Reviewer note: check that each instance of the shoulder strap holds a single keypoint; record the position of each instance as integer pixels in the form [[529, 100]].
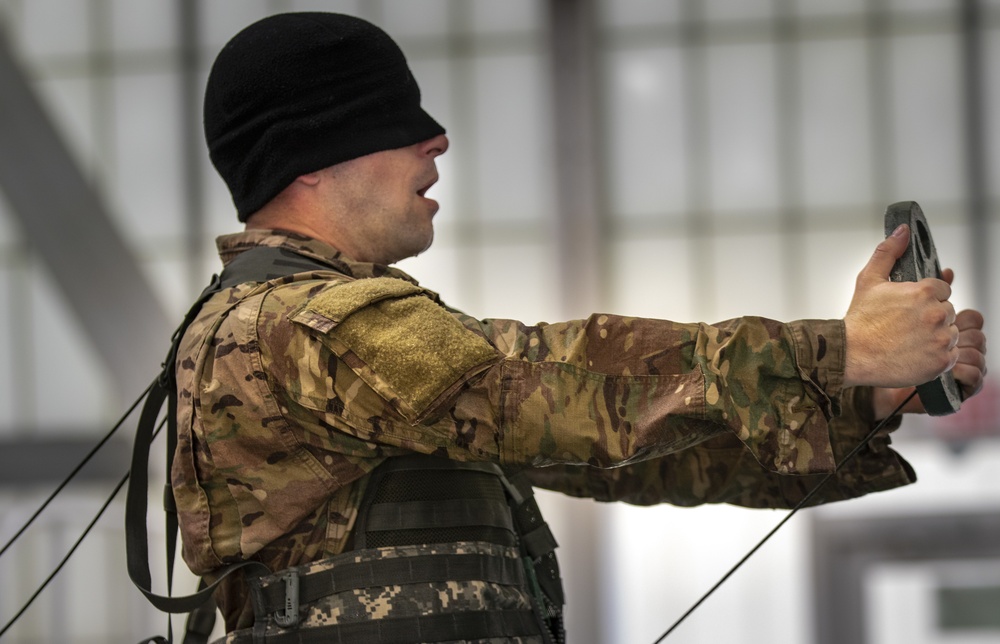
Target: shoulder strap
[[255, 265]]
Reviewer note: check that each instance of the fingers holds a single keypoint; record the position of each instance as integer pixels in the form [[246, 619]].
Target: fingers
[[972, 339], [971, 357], [950, 316], [969, 320], [956, 337], [970, 377], [940, 290], [886, 253], [970, 368]]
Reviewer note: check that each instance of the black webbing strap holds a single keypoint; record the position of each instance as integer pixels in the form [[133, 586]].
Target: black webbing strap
[[392, 572], [136, 536], [448, 513], [254, 265], [201, 621], [538, 546], [537, 539], [446, 627]]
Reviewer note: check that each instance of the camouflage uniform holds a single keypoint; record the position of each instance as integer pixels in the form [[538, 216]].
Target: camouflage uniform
[[292, 391]]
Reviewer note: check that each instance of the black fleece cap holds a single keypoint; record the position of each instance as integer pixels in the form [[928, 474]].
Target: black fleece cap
[[297, 92]]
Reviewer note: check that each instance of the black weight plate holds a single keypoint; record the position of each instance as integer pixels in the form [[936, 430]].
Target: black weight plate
[[940, 396]]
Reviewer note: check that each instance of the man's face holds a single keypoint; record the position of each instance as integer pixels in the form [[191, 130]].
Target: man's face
[[384, 215]]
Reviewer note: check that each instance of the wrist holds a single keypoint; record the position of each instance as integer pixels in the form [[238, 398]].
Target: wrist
[[856, 371]]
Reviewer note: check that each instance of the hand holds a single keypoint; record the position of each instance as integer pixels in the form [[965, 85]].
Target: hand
[[899, 334], [969, 371]]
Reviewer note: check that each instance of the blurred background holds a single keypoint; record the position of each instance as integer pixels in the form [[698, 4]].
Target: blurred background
[[690, 160]]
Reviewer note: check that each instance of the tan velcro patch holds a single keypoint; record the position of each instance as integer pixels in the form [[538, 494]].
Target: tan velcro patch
[[414, 348], [340, 302]]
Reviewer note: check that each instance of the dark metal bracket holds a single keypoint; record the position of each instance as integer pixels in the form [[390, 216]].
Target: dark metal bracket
[[940, 396]]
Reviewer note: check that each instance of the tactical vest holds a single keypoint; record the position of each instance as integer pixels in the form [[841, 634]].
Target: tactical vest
[[441, 551]]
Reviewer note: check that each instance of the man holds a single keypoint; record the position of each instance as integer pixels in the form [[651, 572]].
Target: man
[[342, 426]]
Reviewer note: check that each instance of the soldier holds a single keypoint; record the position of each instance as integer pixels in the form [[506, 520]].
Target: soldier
[[376, 449]]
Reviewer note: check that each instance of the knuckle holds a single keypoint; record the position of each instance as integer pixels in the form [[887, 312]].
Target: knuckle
[[926, 289], [941, 342], [936, 316]]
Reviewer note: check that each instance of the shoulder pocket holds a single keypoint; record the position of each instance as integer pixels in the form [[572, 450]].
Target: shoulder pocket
[[404, 345]]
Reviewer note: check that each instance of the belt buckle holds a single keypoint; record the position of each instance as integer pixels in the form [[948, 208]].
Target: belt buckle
[[290, 615]]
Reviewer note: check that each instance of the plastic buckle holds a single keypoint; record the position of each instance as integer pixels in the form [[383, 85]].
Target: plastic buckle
[[290, 616]]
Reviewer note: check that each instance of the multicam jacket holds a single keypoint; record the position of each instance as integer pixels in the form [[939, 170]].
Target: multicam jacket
[[292, 391]]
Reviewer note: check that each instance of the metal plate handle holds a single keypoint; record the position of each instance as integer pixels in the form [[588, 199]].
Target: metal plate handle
[[942, 395]]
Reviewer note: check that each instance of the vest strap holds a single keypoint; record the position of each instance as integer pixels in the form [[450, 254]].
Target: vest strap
[[446, 627], [255, 265], [392, 572], [539, 542]]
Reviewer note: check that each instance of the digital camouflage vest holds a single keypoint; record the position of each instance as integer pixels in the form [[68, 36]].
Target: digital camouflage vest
[[443, 551]]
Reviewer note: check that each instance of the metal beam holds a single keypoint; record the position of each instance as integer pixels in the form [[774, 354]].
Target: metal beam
[[581, 251], [192, 142], [49, 460], [580, 201], [66, 222], [974, 82]]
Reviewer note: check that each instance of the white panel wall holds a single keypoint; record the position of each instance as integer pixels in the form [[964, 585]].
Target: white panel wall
[[746, 171]]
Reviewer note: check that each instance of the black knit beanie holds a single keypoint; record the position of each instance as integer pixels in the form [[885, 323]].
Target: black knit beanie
[[297, 92]]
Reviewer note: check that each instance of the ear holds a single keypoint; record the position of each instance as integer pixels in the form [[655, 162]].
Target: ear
[[311, 179]]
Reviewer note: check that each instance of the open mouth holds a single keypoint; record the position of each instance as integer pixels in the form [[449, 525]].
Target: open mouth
[[423, 191]]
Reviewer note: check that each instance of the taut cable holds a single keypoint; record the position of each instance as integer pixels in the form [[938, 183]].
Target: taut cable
[[75, 471], [797, 507]]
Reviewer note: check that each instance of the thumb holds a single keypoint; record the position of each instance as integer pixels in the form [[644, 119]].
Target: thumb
[[884, 258]]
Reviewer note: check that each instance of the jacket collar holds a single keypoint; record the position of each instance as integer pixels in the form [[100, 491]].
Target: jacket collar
[[231, 245]]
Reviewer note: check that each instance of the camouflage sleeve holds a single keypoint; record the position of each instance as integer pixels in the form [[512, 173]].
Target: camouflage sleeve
[[722, 470], [609, 391], [385, 366]]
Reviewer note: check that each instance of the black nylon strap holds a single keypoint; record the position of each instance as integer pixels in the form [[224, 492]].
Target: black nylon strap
[[539, 542], [254, 265], [136, 536], [169, 505], [447, 627], [201, 621], [391, 572], [448, 513], [547, 572]]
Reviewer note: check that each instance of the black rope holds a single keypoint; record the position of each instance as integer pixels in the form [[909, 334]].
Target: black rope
[[76, 470], [797, 507], [76, 545]]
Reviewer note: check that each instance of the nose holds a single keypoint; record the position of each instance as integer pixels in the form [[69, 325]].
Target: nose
[[436, 146]]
